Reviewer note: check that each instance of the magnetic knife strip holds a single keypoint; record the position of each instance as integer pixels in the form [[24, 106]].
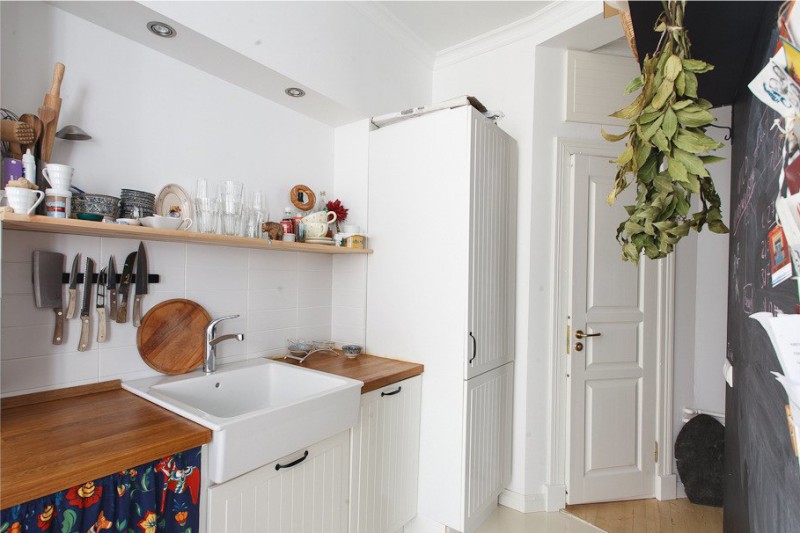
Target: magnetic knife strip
[[152, 278]]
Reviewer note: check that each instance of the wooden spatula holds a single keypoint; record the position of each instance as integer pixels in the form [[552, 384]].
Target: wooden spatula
[[49, 112], [16, 131]]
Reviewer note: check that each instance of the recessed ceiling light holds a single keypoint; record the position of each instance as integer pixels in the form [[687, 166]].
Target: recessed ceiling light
[[295, 92], [162, 29]]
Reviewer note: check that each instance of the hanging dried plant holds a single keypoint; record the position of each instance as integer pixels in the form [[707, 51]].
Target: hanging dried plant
[[665, 147]]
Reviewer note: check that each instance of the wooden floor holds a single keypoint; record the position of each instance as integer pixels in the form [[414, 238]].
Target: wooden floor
[[650, 516]]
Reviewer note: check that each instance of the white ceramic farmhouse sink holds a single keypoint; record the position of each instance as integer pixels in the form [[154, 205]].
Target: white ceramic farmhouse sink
[[260, 410]]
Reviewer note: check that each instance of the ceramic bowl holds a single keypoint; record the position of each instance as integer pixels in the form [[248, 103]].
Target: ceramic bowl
[[96, 204], [352, 350], [157, 221]]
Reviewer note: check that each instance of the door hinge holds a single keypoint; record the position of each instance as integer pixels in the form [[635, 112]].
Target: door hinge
[[655, 451]]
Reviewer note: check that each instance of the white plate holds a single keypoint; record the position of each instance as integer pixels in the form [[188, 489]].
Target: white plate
[[319, 241], [173, 199]]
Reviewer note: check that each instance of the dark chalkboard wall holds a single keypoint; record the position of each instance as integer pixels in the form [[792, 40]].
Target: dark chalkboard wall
[[762, 489]]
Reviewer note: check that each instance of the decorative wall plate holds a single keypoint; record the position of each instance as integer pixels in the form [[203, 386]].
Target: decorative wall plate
[[173, 201]]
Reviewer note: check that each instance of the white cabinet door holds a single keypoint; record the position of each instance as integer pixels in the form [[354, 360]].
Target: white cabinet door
[[492, 248], [383, 486], [488, 400], [309, 497]]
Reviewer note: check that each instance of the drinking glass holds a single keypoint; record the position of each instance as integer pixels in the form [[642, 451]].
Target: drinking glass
[[230, 206], [253, 215], [206, 207]]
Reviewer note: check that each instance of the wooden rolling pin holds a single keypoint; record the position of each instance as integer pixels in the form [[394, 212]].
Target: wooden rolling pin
[[16, 132], [49, 112]]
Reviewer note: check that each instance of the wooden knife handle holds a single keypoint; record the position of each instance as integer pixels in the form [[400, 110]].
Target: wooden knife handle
[[101, 324], [58, 77], [73, 298], [83, 344], [112, 294], [58, 332], [137, 310], [122, 312]]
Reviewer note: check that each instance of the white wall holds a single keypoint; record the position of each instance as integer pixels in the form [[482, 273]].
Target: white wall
[[279, 295], [154, 120]]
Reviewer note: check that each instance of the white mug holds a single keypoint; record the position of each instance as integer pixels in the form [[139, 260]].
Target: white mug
[[320, 217], [58, 176], [315, 230], [23, 201]]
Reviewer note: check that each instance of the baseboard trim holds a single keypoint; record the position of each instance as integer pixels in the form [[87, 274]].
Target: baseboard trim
[[555, 497], [667, 487], [524, 503]]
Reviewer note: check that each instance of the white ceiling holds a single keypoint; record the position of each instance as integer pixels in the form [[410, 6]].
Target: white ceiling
[[444, 24]]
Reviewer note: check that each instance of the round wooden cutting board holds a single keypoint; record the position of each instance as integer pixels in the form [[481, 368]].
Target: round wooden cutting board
[[172, 336]]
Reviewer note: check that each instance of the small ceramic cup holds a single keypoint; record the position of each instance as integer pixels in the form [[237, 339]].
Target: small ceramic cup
[[320, 217], [314, 230], [58, 176], [161, 222], [23, 201]]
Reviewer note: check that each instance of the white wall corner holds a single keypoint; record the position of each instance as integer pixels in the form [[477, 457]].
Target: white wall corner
[[555, 497], [667, 487], [524, 503]]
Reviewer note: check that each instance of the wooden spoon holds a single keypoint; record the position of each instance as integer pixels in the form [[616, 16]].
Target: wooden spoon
[[34, 122], [48, 116]]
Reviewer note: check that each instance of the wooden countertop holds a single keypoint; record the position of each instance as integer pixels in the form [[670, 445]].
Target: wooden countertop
[[54, 440], [374, 371]]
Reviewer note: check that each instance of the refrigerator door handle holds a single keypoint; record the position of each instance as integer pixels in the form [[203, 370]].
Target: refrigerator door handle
[[474, 348]]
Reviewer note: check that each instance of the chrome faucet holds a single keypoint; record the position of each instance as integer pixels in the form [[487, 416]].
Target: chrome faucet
[[210, 363]]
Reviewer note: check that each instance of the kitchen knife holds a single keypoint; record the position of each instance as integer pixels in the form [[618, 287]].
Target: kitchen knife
[[124, 288], [100, 305], [111, 285], [141, 284], [73, 287], [47, 268], [88, 273]]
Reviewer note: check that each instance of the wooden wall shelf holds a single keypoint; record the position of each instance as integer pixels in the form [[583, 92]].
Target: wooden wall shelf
[[121, 231]]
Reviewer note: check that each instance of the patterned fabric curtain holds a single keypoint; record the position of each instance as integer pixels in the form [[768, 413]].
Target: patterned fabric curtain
[[161, 496]]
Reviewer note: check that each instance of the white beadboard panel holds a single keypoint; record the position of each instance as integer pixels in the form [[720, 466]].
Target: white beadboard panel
[[49, 371], [267, 260], [596, 86], [18, 246], [269, 319], [488, 441], [319, 297], [115, 362], [17, 278], [314, 262], [286, 280], [385, 458], [311, 497]]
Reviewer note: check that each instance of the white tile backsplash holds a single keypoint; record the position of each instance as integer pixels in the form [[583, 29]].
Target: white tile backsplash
[[279, 295]]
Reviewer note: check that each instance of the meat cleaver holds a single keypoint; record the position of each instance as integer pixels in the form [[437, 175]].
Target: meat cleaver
[[47, 269]]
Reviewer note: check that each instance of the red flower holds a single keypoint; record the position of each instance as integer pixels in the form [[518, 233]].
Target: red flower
[[85, 495], [340, 210]]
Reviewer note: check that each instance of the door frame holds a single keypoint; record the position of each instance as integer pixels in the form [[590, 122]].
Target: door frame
[[665, 479]]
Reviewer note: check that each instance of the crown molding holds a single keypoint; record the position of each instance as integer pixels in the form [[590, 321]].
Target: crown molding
[[399, 31], [541, 25]]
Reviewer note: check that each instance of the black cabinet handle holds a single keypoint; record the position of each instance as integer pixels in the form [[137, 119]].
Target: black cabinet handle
[[474, 348], [293, 463], [391, 393]]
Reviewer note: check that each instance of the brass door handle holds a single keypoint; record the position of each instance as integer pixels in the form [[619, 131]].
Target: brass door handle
[[581, 335]]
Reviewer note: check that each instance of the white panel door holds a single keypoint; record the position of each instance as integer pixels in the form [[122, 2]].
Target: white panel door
[[385, 459], [612, 372], [488, 400], [492, 247], [309, 497]]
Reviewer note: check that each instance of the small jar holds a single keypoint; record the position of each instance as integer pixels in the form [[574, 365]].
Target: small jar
[[58, 204]]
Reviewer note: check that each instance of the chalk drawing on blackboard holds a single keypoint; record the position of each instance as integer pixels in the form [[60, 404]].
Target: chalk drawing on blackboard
[[747, 302]]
